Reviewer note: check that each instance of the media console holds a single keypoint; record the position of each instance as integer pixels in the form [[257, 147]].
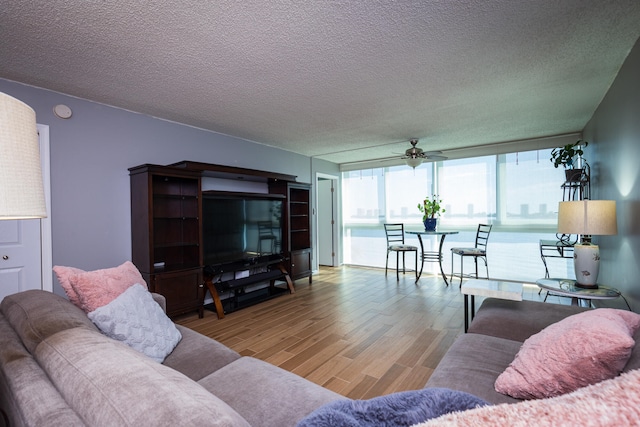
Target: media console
[[235, 277]]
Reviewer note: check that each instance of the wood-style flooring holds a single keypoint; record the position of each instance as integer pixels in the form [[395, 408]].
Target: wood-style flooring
[[353, 330]]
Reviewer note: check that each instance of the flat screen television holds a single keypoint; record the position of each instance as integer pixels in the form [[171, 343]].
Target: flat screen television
[[241, 227]]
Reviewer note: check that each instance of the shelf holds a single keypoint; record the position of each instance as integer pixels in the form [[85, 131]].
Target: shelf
[[244, 300], [175, 196], [176, 245], [181, 218], [172, 268]]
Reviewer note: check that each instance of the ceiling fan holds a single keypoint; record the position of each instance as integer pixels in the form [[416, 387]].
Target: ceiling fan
[[414, 156]]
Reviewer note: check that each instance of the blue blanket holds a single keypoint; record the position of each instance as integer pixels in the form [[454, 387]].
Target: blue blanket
[[398, 409]]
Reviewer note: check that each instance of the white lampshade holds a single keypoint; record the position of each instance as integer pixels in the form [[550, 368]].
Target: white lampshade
[[21, 189], [414, 161], [588, 217]]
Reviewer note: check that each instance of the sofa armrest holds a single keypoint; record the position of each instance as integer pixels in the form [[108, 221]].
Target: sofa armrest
[[161, 300]]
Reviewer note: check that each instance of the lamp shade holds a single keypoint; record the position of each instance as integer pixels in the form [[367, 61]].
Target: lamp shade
[[588, 217], [21, 189], [414, 161]]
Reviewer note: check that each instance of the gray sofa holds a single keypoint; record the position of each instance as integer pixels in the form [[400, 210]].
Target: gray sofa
[[477, 358], [57, 369]]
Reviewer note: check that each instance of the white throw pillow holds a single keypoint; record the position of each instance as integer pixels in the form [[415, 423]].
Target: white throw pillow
[[138, 321]]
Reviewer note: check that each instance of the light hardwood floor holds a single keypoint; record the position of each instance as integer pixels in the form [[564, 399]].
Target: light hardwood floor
[[353, 330]]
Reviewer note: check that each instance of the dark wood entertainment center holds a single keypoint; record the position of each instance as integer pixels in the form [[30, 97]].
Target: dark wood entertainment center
[[167, 234]]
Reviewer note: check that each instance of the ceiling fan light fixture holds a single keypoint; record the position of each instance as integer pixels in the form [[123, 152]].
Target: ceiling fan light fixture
[[414, 161]]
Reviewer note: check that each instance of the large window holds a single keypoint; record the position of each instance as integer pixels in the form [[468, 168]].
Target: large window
[[530, 189], [467, 188], [518, 193]]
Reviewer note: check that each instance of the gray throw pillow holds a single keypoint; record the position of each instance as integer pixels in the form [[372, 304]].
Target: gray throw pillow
[[137, 320]]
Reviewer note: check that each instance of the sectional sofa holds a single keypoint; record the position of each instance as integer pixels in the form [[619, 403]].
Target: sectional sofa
[[58, 369]]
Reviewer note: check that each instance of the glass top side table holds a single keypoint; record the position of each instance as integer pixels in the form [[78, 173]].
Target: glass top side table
[[568, 288]]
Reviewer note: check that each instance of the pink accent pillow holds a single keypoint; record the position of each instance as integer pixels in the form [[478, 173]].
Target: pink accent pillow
[[97, 288], [582, 349], [64, 275]]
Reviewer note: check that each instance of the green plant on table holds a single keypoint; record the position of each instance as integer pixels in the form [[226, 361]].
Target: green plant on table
[[430, 207]]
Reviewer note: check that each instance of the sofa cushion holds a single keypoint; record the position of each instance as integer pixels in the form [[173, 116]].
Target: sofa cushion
[[36, 314], [392, 410], [96, 288], [265, 394], [196, 356], [582, 349], [472, 364], [27, 396], [108, 383], [614, 402], [518, 320], [134, 318]]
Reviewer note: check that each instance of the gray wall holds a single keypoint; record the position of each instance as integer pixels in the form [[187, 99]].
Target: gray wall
[[90, 155], [614, 156]]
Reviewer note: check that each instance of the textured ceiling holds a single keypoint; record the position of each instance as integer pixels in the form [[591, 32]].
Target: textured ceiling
[[328, 78]]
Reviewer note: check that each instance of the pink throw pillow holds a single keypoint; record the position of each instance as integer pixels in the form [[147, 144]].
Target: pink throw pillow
[[97, 288], [582, 349], [64, 275]]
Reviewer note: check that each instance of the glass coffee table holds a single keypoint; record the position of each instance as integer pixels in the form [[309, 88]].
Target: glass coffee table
[[568, 288]]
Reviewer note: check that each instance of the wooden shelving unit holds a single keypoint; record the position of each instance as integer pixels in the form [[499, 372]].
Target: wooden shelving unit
[[297, 216], [166, 233]]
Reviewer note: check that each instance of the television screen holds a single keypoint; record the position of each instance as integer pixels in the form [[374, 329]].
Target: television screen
[[240, 227]]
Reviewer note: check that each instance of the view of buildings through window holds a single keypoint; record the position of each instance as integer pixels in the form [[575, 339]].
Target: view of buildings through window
[[518, 193]]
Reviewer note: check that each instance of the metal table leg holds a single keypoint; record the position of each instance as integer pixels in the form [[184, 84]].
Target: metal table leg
[[432, 257]]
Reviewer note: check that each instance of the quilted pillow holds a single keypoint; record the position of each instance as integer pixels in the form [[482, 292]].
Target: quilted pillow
[[137, 320], [582, 349], [92, 289]]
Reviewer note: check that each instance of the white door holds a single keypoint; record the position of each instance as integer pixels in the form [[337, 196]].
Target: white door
[[326, 221], [25, 245], [20, 259]]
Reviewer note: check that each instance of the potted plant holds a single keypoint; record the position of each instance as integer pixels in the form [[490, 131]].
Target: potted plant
[[431, 209], [568, 156]]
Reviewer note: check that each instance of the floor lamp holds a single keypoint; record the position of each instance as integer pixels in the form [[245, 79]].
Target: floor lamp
[[21, 188], [587, 218]]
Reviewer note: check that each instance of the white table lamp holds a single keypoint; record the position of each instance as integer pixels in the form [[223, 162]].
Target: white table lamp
[[21, 189], [587, 218]]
